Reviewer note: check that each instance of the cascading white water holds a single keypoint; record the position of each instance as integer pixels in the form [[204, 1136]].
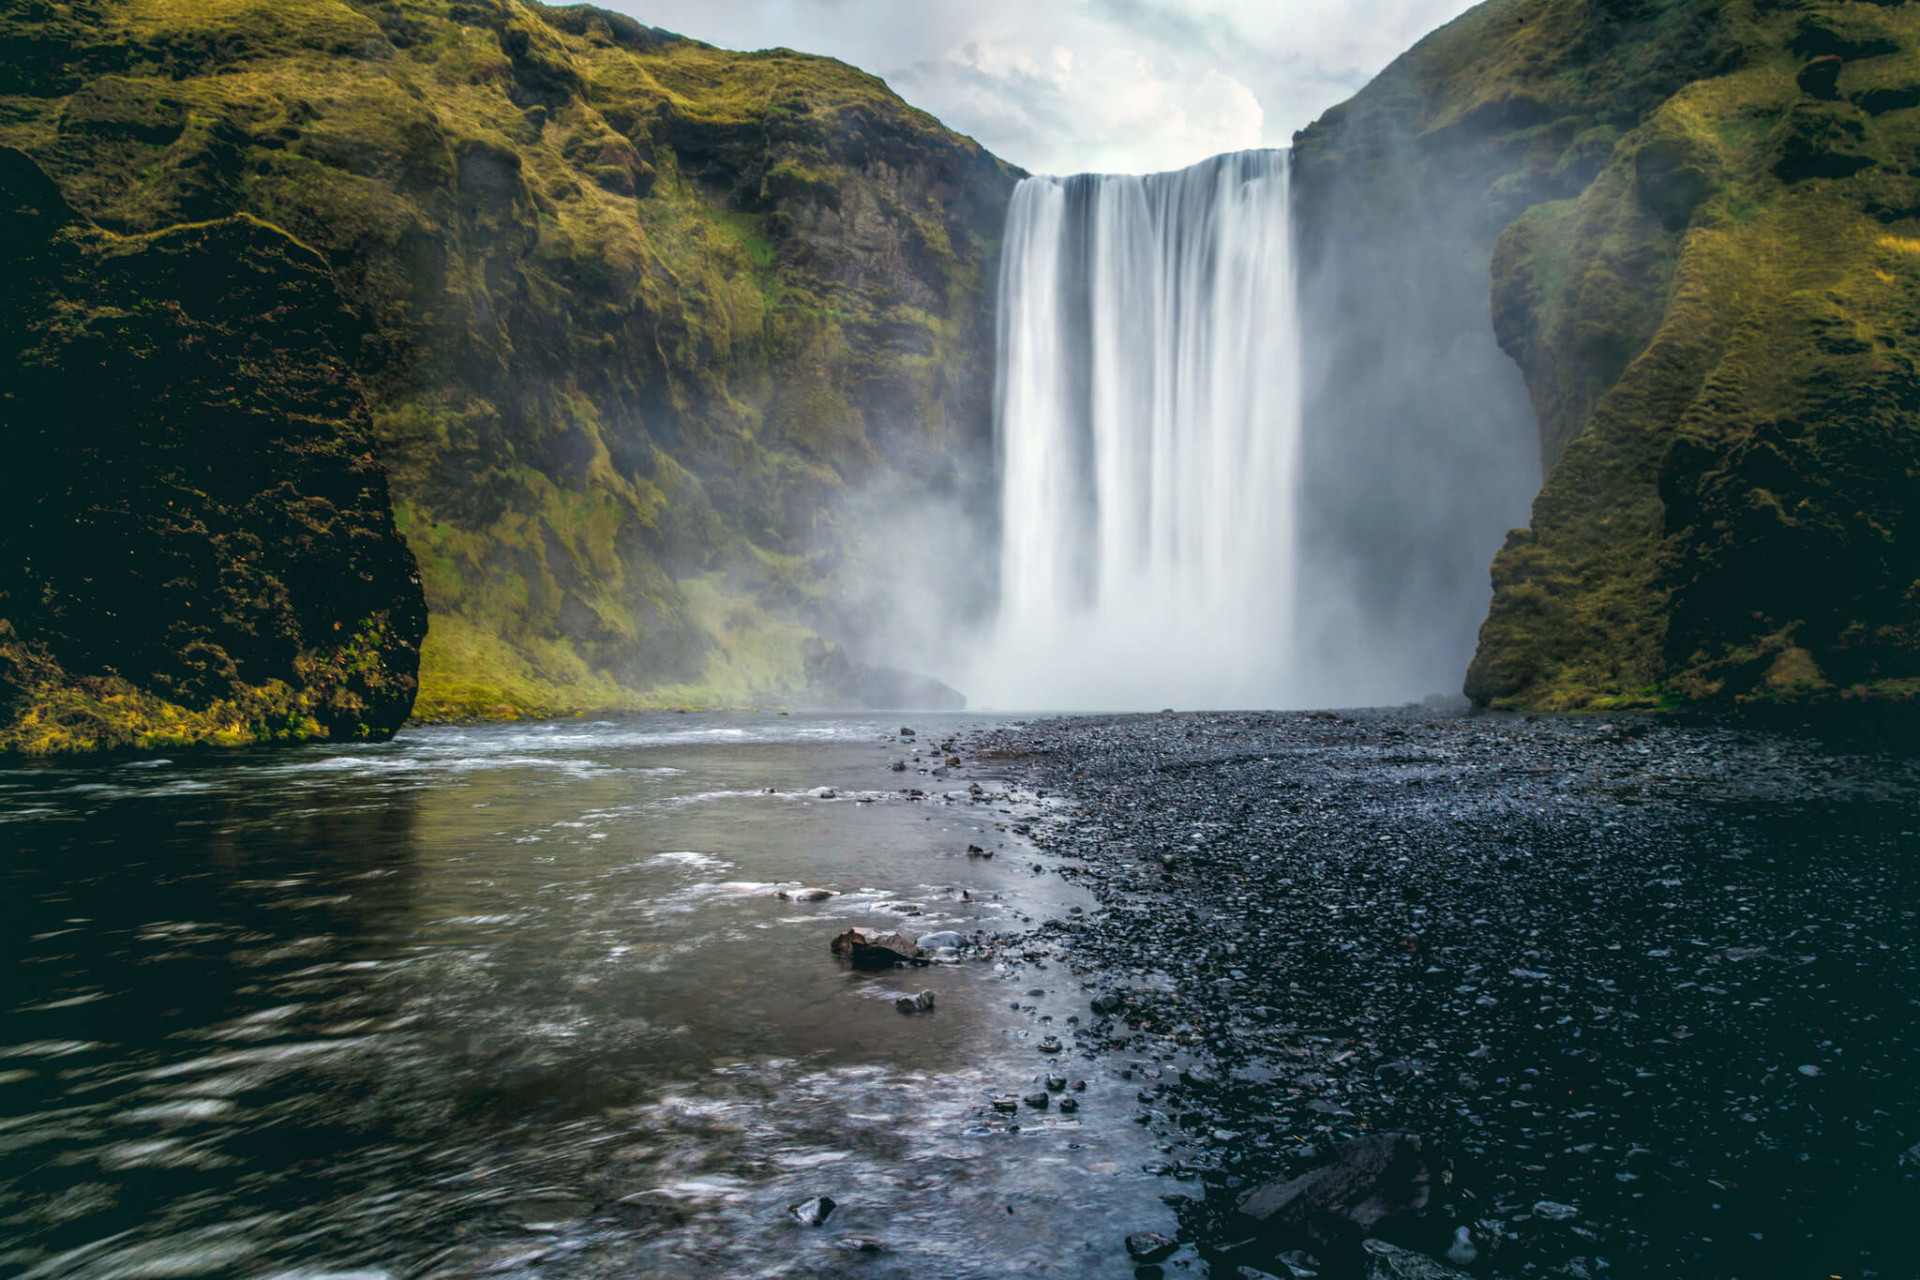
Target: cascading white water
[[1148, 423]]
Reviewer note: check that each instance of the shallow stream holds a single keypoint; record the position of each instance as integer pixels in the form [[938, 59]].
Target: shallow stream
[[525, 1001]]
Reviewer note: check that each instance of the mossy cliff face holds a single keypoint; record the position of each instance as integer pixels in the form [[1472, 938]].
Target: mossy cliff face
[[1722, 330], [1699, 220], [196, 541], [638, 313], [1423, 448]]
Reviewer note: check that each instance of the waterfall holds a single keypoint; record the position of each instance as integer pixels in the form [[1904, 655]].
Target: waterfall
[[1148, 428]]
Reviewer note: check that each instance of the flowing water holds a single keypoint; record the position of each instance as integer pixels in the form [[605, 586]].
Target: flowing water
[[1148, 424], [524, 1001]]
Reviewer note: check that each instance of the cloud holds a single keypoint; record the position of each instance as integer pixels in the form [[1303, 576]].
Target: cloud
[[1064, 86], [1105, 109]]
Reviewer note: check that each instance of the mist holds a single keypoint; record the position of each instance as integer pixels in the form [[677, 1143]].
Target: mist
[[1254, 447]]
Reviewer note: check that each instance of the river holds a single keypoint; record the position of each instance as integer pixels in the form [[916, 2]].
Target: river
[[524, 1000]]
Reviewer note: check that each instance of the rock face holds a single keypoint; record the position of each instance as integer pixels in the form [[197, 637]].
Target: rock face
[[1699, 223], [196, 539], [637, 315]]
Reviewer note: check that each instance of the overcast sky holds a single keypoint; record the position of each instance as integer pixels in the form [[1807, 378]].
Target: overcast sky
[[1066, 86]]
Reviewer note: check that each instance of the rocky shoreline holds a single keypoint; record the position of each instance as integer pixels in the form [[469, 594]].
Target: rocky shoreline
[[1421, 994]]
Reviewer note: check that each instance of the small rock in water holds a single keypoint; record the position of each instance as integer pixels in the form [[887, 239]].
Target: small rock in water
[[824, 793], [1006, 1103], [1553, 1211], [1051, 1045], [805, 895], [1108, 1004], [1462, 1249], [1150, 1246], [814, 1212], [1039, 1101], [953, 762], [945, 938], [860, 1244], [1069, 1105], [921, 1003], [975, 851], [1056, 1083], [906, 732], [875, 949], [898, 766]]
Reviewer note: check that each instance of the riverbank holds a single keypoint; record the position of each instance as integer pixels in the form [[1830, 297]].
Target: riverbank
[[1644, 991]]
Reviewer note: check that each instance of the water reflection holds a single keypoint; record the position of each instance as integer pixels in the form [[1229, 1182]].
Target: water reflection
[[526, 1000]]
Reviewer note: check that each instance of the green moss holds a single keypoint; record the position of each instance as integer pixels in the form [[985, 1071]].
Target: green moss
[[620, 331], [1724, 347], [195, 539]]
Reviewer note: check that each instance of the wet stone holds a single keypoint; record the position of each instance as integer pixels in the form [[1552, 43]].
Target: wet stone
[[813, 1212], [1150, 1246]]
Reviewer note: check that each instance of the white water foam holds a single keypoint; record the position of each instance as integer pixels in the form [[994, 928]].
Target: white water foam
[[1148, 422]]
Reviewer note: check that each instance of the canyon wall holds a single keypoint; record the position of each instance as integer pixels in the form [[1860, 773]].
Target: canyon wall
[[636, 316]]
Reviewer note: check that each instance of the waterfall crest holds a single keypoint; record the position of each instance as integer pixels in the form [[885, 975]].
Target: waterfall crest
[[1148, 427]]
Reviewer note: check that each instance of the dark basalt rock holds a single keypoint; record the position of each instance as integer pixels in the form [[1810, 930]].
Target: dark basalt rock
[[1367, 1184], [196, 541]]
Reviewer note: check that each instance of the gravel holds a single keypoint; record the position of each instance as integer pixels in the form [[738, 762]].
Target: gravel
[[1647, 990]]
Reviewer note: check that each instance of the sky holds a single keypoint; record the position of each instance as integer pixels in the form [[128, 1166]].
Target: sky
[[1074, 86]]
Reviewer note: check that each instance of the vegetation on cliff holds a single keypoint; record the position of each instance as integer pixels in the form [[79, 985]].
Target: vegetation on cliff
[[1700, 217], [196, 541], [637, 313]]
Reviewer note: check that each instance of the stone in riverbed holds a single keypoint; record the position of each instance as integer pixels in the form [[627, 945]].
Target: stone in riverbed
[[876, 949], [1369, 1182], [1150, 1246], [922, 1003], [814, 1212], [805, 895], [944, 938], [1051, 1045], [1039, 1101]]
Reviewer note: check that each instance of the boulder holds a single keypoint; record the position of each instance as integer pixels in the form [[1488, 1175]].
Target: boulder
[[875, 949], [1368, 1183]]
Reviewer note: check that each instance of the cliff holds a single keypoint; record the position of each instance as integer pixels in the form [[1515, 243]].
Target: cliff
[[636, 316], [196, 542], [1698, 221]]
